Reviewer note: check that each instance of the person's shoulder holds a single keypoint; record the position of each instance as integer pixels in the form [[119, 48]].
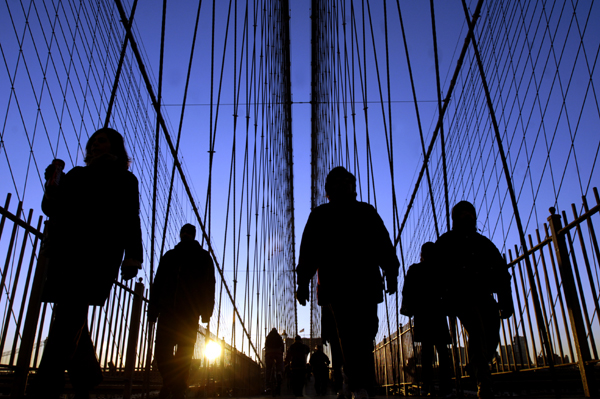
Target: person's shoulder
[[129, 176], [76, 171], [486, 243], [323, 208], [365, 206], [414, 267]]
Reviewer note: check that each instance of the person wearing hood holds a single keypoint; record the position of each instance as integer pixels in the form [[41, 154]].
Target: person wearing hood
[[183, 290], [472, 270]]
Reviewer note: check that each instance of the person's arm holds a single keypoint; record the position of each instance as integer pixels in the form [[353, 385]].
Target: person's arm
[[134, 252], [501, 278], [209, 289], [307, 259], [408, 293], [156, 290], [388, 261]]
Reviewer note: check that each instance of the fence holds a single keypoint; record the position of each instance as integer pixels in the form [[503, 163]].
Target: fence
[[119, 329], [556, 323]]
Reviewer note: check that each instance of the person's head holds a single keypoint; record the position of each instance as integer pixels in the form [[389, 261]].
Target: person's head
[[298, 338], [464, 217], [427, 250], [274, 330], [340, 184], [106, 141], [187, 232], [319, 347]]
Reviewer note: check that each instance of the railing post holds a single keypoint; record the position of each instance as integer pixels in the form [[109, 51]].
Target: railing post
[[29, 329], [573, 305], [132, 342]]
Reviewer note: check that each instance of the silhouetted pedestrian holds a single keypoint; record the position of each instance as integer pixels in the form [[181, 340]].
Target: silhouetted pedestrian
[[183, 290], [422, 298], [274, 358], [320, 367], [346, 243], [473, 270], [94, 211], [296, 358]]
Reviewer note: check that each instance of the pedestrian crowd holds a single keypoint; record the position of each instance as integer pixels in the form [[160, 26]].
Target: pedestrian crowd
[[94, 230]]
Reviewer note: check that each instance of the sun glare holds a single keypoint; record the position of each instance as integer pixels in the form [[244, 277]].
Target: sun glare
[[212, 350]]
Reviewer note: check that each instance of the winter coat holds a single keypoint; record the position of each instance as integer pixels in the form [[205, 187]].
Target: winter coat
[[422, 298], [346, 243], [319, 361], [471, 268], [94, 215], [184, 284], [296, 355], [273, 342]]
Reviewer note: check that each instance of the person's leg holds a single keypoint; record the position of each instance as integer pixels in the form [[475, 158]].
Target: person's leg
[[163, 353], [84, 370], [441, 340], [427, 364], [183, 361], [357, 326], [483, 326], [297, 381], [329, 331], [61, 344]]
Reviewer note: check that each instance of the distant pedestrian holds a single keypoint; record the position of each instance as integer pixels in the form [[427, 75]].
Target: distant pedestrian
[[182, 292], [422, 298], [274, 359], [296, 358], [320, 368]]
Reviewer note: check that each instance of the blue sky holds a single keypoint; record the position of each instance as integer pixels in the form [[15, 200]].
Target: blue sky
[[562, 73]]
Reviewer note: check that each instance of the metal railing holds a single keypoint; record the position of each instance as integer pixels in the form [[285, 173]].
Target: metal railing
[[566, 273], [119, 330]]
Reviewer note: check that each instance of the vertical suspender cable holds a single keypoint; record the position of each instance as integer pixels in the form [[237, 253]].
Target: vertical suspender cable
[[156, 145], [439, 96], [185, 91]]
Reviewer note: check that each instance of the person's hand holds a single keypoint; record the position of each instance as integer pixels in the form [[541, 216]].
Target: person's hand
[[205, 319], [505, 304], [49, 171], [302, 295], [392, 284], [129, 268]]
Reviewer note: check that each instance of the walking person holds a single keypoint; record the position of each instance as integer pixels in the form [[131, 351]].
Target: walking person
[[95, 229], [472, 271], [274, 359], [319, 362], [346, 243], [183, 290], [296, 358], [422, 298]]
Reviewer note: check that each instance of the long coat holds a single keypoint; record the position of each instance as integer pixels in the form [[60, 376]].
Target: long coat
[[94, 215], [184, 285], [422, 298], [347, 243]]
